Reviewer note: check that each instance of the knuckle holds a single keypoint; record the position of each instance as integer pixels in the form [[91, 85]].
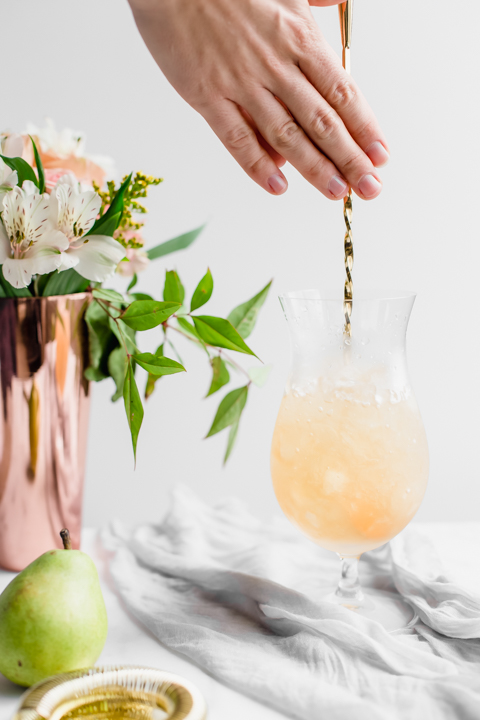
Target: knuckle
[[353, 163], [203, 98], [301, 32], [274, 65], [324, 124], [238, 137], [256, 167], [315, 170], [343, 94], [366, 130], [286, 135]]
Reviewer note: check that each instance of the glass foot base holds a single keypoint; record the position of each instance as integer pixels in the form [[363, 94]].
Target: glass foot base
[[384, 607]]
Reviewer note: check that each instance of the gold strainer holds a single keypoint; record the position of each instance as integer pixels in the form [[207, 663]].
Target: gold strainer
[[113, 693]]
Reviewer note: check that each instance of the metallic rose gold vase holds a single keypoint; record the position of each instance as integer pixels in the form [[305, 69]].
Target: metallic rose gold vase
[[44, 404]]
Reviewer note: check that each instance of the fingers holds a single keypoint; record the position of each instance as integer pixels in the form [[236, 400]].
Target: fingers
[[239, 137], [326, 130], [324, 3], [327, 75], [278, 159], [286, 137]]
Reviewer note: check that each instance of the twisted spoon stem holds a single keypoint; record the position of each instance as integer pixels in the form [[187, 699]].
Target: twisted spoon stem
[[348, 245], [345, 11]]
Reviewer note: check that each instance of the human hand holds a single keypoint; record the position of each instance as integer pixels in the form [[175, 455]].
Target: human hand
[[270, 87]]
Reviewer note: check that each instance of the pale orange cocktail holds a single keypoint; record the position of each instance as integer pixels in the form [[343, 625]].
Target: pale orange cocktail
[[349, 464]]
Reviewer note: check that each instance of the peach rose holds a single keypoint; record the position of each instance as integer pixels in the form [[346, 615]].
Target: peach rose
[[84, 170]]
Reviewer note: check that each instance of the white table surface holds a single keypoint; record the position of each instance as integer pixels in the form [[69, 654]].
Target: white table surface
[[129, 643]]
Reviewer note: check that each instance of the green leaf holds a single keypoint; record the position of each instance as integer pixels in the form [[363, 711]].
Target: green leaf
[[108, 223], [109, 295], [116, 367], [259, 375], [141, 296], [158, 364], [220, 333], [181, 242], [133, 406], [125, 335], [229, 410], [101, 342], [10, 291], [173, 290], [203, 291], [150, 386], [244, 316], [39, 164], [221, 376], [133, 282], [41, 281], [152, 379], [108, 227], [94, 374], [66, 282], [232, 436], [147, 314], [190, 330], [24, 170]]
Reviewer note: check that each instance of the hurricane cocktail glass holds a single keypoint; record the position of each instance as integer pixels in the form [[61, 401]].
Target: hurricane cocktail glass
[[349, 454]]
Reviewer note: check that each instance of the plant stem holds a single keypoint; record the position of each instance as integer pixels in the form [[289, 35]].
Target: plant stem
[[186, 335], [234, 363], [65, 535], [104, 304], [115, 320], [220, 352]]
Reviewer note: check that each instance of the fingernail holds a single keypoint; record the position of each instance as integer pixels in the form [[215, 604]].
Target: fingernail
[[377, 154], [369, 186], [277, 183], [337, 186]]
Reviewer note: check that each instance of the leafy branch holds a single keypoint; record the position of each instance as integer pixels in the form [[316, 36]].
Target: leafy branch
[[114, 321]]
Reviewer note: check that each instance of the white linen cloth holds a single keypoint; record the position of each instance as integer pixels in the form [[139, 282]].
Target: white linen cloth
[[240, 599]]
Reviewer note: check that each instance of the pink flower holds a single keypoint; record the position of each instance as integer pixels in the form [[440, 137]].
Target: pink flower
[[52, 176], [129, 235], [136, 261]]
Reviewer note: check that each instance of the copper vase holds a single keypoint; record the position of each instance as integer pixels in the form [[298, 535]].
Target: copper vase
[[44, 405]]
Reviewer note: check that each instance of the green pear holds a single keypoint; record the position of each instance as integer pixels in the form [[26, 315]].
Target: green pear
[[52, 617]]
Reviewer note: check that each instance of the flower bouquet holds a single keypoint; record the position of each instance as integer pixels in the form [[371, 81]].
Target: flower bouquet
[[63, 233]]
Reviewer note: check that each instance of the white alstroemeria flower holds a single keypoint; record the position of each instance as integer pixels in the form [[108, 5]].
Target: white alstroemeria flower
[[74, 211], [29, 244], [61, 142], [8, 180], [67, 143], [12, 145]]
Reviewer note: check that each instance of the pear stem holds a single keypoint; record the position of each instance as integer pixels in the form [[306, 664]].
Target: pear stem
[[65, 535]]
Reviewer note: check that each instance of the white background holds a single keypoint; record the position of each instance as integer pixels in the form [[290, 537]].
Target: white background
[[84, 64]]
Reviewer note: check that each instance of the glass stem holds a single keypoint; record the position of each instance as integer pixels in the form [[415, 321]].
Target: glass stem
[[349, 590]]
